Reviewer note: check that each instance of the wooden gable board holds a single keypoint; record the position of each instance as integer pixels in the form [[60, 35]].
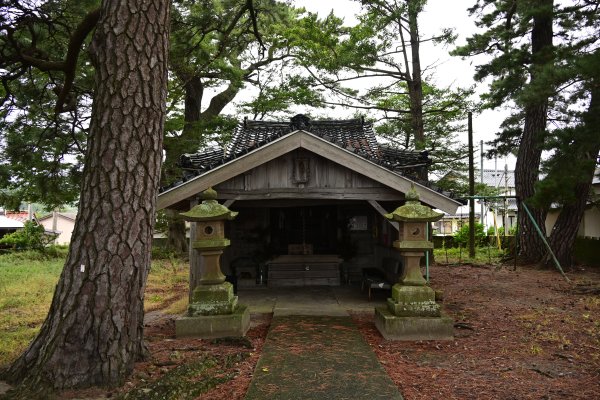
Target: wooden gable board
[[312, 143], [319, 178]]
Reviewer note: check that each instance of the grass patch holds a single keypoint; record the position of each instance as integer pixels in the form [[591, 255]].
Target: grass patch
[[28, 280], [178, 307], [455, 255], [167, 286]]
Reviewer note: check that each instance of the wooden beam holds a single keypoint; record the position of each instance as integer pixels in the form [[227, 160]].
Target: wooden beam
[[195, 259], [382, 211], [229, 202], [312, 193]]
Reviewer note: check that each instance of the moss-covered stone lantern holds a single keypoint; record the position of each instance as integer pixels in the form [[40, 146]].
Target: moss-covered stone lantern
[[213, 310], [412, 312]]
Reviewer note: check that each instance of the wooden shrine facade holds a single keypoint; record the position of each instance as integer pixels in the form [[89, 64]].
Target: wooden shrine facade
[[308, 203]]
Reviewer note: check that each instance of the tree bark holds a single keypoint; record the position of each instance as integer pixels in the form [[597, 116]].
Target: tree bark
[[415, 84], [193, 114], [527, 167], [414, 81], [564, 232], [93, 333]]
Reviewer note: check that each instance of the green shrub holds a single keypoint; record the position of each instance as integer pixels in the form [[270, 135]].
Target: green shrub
[[162, 253], [462, 235], [492, 231], [31, 237]]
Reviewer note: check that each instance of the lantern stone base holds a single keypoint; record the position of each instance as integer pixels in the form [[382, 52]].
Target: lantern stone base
[[413, 301], [212, 300], [393, 327], [413, 314], [214, 326]]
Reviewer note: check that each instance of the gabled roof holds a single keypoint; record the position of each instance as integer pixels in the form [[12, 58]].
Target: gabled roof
[[69, 216], [310, 142], [353, 135]]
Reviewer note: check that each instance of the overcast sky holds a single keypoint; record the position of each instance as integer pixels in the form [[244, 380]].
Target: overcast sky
[[450, 71]]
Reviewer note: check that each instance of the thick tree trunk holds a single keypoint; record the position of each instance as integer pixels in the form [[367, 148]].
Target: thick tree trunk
[[193, 114], [531, 246], [566, 227], [194, 91], [93, 333], [176, 238], [415, 84], [564, 232], [530, 149]]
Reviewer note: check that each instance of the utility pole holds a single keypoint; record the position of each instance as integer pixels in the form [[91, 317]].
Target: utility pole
[[481, 175], [471, 190]]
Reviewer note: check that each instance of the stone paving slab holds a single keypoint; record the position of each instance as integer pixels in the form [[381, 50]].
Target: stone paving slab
[[316, 300], [318, 357]]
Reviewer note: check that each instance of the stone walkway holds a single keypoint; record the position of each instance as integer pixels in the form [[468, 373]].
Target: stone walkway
[[318, 357]]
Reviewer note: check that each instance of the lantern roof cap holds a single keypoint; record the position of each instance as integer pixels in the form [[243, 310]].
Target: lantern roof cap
[[209, 209], [413, 210]]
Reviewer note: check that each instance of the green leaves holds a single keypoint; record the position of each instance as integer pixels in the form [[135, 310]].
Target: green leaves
[[31, 237]]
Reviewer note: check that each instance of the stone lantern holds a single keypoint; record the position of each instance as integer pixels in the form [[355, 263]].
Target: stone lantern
[[213, 310], [412, 313]]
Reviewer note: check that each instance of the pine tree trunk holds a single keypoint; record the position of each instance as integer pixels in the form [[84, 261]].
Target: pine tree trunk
[[415, 83], [193, 115], [176, 238], [93, 333], [564, 232], [527, 167], [531, 246], [566, 227]]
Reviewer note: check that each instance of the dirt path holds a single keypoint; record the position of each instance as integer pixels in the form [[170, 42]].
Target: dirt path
[[519, 335]]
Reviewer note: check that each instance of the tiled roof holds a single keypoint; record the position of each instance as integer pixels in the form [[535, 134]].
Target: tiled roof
[[21, 216], [354, 135]]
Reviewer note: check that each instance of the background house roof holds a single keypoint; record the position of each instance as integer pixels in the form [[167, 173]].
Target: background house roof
[[66, 215], [498, 178], [21, 216]]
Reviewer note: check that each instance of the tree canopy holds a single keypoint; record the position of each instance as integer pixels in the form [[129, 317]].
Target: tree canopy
[[544, 62]]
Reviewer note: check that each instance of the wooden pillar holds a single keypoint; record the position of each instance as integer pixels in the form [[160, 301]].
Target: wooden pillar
[[195, 259]]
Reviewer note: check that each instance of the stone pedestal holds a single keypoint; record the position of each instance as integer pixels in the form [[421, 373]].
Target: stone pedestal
[[412, 312], [413, 301], [214, 310], [214, 326], [393, 327]]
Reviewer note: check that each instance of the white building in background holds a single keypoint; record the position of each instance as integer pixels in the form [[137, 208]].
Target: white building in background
[[59, 223], [505, 211], [491, 213], [8, 225]]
